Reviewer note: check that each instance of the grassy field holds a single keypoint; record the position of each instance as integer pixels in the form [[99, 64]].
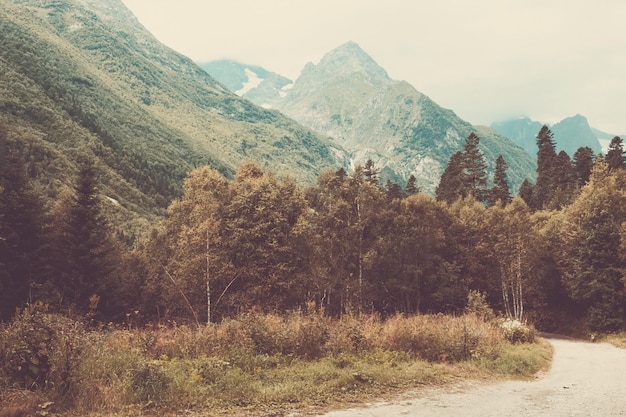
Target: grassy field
[[256, 364]]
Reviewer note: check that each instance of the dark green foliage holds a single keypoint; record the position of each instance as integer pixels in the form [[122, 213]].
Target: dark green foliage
[[546, 172], [411, 186], [466, 174], [451, 185], [22, 241], [615, 156], [526, 192], [86, 254], [583, 165], [500, 190]]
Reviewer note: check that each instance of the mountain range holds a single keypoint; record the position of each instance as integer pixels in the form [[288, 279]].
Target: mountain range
[[350, 98], [569, 134], [83, 79]]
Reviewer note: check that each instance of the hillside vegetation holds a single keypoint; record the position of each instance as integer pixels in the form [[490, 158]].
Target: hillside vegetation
[[86, 80]]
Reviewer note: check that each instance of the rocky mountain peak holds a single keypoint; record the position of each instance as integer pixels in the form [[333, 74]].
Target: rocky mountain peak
[[347, 60]]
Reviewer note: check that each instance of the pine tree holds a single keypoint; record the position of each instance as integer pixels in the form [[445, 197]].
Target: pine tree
[[22, 220], [583, 165], [411, 186], [546, 174], [393, 191], [526, 191], [500, 190], [474, 169], [615, 155], [451, 184], [90, 254], [370, 172]]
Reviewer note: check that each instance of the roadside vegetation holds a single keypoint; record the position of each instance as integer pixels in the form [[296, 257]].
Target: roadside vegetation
[[250, 365]]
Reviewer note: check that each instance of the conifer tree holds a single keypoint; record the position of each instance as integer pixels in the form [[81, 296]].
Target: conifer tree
[[500, 190], [89, 252], [546, 174], [583, 164], [22, 220], [451, 184], [526, 192], [411, 186], [615, 156], [474, 169]]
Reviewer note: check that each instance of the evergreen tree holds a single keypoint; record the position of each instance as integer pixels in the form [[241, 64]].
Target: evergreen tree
[[474, 169], [393, 191], [22, 217], [451, 184], [370, 172], [546, 174], [583, 164], [411, 186], [615, 155], [500, 190], [526, 192], [564, 182], [90, 255]]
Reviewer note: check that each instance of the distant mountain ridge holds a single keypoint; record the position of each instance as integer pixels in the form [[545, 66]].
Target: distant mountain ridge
[[352, 99], [570, 134]]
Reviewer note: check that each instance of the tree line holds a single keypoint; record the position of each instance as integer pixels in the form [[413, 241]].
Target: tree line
[[349, 244]]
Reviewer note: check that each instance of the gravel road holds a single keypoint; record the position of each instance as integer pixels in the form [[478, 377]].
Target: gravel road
[[586, 379]]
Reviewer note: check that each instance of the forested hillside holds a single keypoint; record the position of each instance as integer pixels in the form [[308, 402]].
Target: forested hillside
[[84, 80]]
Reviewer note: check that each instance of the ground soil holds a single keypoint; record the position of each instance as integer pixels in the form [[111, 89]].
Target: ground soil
[[586, 379]]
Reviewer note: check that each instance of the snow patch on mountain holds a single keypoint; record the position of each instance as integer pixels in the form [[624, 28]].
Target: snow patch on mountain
[[253, 82]]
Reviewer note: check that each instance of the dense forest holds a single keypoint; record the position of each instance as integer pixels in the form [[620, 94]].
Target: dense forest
[[553, 255]]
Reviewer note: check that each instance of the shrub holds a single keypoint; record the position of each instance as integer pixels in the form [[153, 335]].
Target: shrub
[[518, 332], [40, 350]]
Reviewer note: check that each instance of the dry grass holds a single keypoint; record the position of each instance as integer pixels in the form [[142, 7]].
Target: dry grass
[[262, 362]]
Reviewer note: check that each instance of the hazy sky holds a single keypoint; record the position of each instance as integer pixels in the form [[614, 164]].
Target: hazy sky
[[487, 60]]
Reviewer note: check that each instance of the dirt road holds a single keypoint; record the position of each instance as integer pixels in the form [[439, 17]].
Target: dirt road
[[585, 380]]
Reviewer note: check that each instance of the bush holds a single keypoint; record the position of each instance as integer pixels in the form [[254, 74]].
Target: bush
[[39, 351], [518, 332]]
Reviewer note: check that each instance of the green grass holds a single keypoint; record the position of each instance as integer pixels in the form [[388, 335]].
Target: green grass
[[253, 364]]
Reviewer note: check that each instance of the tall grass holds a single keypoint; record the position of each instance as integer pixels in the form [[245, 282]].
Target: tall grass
[[254, 360]]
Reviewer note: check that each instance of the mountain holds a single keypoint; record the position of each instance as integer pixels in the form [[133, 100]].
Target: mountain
[[522, 131], [569, 134], [254, 83], [84, 79], [574, 132], [350, 98]]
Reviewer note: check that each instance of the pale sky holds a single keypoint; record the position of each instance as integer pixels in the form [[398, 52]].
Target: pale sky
[[487, 60]]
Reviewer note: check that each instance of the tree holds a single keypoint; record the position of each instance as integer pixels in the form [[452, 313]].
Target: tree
[[546, 173], [370, 172], [590, 250], [411, 186], [22, 218], [526, 191], [264, 223], [583, 164], [194, 229], [500, 190], [474, 169], [512, 231], [615, 156], [451, 184], [393, 191], [85, 248], [466, 174]]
